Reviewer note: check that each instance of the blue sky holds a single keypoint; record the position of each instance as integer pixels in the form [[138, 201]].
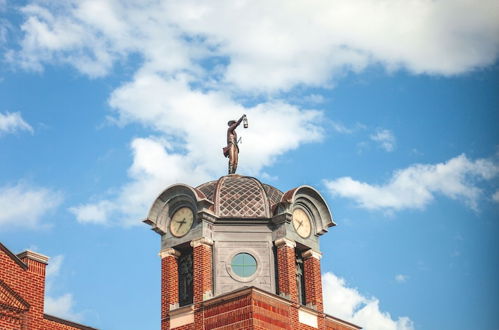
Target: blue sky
[[389, 108]]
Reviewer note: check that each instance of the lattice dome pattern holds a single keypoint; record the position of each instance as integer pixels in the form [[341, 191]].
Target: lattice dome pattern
[[237, 196]]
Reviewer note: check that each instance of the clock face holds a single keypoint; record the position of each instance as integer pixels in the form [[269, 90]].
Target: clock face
[[301, 222], [181, 221]]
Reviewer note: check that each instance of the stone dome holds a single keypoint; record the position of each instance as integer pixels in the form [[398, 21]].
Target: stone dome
[[236, 196]]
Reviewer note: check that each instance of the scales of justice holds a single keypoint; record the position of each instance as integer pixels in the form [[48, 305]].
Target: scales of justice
[[232, 149]]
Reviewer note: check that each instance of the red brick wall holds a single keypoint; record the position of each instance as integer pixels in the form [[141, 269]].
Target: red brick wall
[[336, 325], [202, 269], [233, 313], [248, 308], [313, 283], [286, 272], [203, 272], [269, 313], [28, 283], [27, 279], [251, 308], [169, 287], [10, 320]]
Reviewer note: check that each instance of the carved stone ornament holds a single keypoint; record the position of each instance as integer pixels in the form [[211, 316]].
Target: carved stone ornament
[[285, 242], [201, 241], [169, 252], [312, 254]]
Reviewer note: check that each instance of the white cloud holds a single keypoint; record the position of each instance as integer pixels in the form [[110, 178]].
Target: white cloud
[[251, 47], [93, 213], [54, 266], [62, 305], [416, 186], [154, 168], [385, 138], [184, 118], [495, 197], [13, 122], [261, 45], [349, 304], [401, 278], [172, 107], [340, 128], [24, 206], [344, 129]]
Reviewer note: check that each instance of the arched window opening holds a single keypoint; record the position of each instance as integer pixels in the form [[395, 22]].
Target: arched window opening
[[185, 278], [300, 279]]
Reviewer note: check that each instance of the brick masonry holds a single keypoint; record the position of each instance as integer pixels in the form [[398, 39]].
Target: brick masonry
[[313, 284], [22, 292], [202, 269], [286, 270], [248, 307], [252, 308], [169, 285]]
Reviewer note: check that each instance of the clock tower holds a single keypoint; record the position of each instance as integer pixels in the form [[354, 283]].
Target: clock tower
[[238, 253]]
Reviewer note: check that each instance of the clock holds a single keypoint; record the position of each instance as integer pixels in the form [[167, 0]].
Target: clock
[[301, 223], [181, 221]]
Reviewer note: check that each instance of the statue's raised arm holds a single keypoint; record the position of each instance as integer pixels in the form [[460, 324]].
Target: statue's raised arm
[[232, 149]]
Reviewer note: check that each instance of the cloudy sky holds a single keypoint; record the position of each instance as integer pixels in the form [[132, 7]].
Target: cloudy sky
[[389, 108]]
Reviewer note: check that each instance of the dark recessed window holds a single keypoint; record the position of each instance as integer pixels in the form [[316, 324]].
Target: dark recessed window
[[243, 264]]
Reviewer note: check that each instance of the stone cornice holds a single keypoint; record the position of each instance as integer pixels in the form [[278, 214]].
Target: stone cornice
[[201, 241], [169, 252], [312, 254], [284, 241], [33, 256]]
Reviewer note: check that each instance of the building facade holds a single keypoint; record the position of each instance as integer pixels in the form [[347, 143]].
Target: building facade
[[237, 253], [22, 292]]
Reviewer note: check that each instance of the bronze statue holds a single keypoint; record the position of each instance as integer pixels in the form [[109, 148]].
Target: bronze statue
[[232, 149]]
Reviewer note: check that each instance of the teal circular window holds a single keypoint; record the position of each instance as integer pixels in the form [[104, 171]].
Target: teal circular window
[[243, 264]]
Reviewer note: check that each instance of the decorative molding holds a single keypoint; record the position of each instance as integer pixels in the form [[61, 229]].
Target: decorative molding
[[311, 254], [284, 241], [201, 241], [33, 256], [251, 251], [284, 217], [169, 252], [308, 318], [207, 295], [205, 216], [285, 296]]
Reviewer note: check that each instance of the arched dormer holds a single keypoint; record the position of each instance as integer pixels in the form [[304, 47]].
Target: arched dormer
[[311, 200], [172, 198]]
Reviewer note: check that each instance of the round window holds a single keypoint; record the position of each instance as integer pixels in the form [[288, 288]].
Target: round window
[[243, 264]]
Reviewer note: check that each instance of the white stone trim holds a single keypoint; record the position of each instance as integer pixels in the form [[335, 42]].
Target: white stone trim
[[169, 252], [284, 241], [182, 317], [311, 254], [308, 318], [34, 256], [252, 252], [201, 241]]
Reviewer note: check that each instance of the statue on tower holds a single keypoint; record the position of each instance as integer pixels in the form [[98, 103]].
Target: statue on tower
[[232, 149]]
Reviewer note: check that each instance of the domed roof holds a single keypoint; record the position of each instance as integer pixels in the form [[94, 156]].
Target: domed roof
[[236, 196]]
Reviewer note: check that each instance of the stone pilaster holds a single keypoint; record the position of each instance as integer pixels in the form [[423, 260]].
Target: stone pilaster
[[37, 264], [313, 282], [286, 269], [202, 269], [169, 284]]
